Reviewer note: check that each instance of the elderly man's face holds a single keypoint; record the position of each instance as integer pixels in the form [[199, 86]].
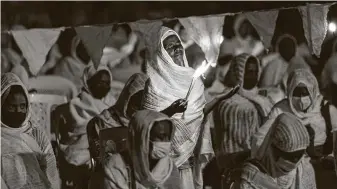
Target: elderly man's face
[[174, 48]]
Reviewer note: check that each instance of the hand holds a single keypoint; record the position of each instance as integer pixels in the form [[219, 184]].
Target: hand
[[179, 106], [227, 94]]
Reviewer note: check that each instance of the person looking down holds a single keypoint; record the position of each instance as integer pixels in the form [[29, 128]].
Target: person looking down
[[278, 159], [307, 104]]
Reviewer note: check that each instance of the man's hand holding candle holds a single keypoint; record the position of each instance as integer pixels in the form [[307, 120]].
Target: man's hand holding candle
[[178, 106]]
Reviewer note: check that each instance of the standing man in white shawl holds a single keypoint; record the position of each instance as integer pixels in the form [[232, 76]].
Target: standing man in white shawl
[[170, 78]]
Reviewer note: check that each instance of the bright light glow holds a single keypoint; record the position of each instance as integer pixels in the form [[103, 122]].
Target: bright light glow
[[201, 69], [221, 39], [332, 27]]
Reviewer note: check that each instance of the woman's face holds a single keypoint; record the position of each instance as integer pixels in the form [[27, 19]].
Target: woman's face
[[301, 98], [99, 84], [251, 75], [14, 109], [174, 48], [160, 139]]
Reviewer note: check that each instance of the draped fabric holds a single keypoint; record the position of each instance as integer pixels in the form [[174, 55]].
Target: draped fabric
[[274, 72], [27, 157], [90, 71], [236, 120], [329, 74], [115, 116], [13, 58], [235, 76], [22, 73], [295, 63], [135, 84], [253, 178], [140, 127], [168, 83], [163, 176], [276, 68], [317, 122], [82, 109], [71, 67], [289, 135]]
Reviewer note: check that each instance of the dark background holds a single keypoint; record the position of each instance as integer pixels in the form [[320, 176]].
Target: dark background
[[61, 13]]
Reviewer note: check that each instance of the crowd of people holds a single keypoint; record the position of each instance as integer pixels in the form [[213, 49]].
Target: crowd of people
[[258, 120]]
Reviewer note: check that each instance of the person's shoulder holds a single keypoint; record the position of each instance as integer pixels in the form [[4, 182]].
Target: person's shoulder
[[281, 104], [40, 136], [238, 100], [104, 115]]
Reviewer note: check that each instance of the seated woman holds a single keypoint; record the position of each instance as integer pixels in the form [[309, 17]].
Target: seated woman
[[148, 160], [27, 157], [305, 102], [119, 114], [278, 159], [95, 97]]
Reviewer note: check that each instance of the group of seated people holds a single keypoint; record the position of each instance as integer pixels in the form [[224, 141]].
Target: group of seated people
[[265, 124]]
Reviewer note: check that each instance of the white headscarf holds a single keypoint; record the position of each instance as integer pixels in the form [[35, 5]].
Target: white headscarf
[[7, 81], [289, 135], [139, 138], [168, 83]]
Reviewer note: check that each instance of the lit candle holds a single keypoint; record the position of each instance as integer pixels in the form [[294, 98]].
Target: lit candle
[[198, 72]]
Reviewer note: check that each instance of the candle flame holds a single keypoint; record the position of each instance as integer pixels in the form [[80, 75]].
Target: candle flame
[[201, 69]]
